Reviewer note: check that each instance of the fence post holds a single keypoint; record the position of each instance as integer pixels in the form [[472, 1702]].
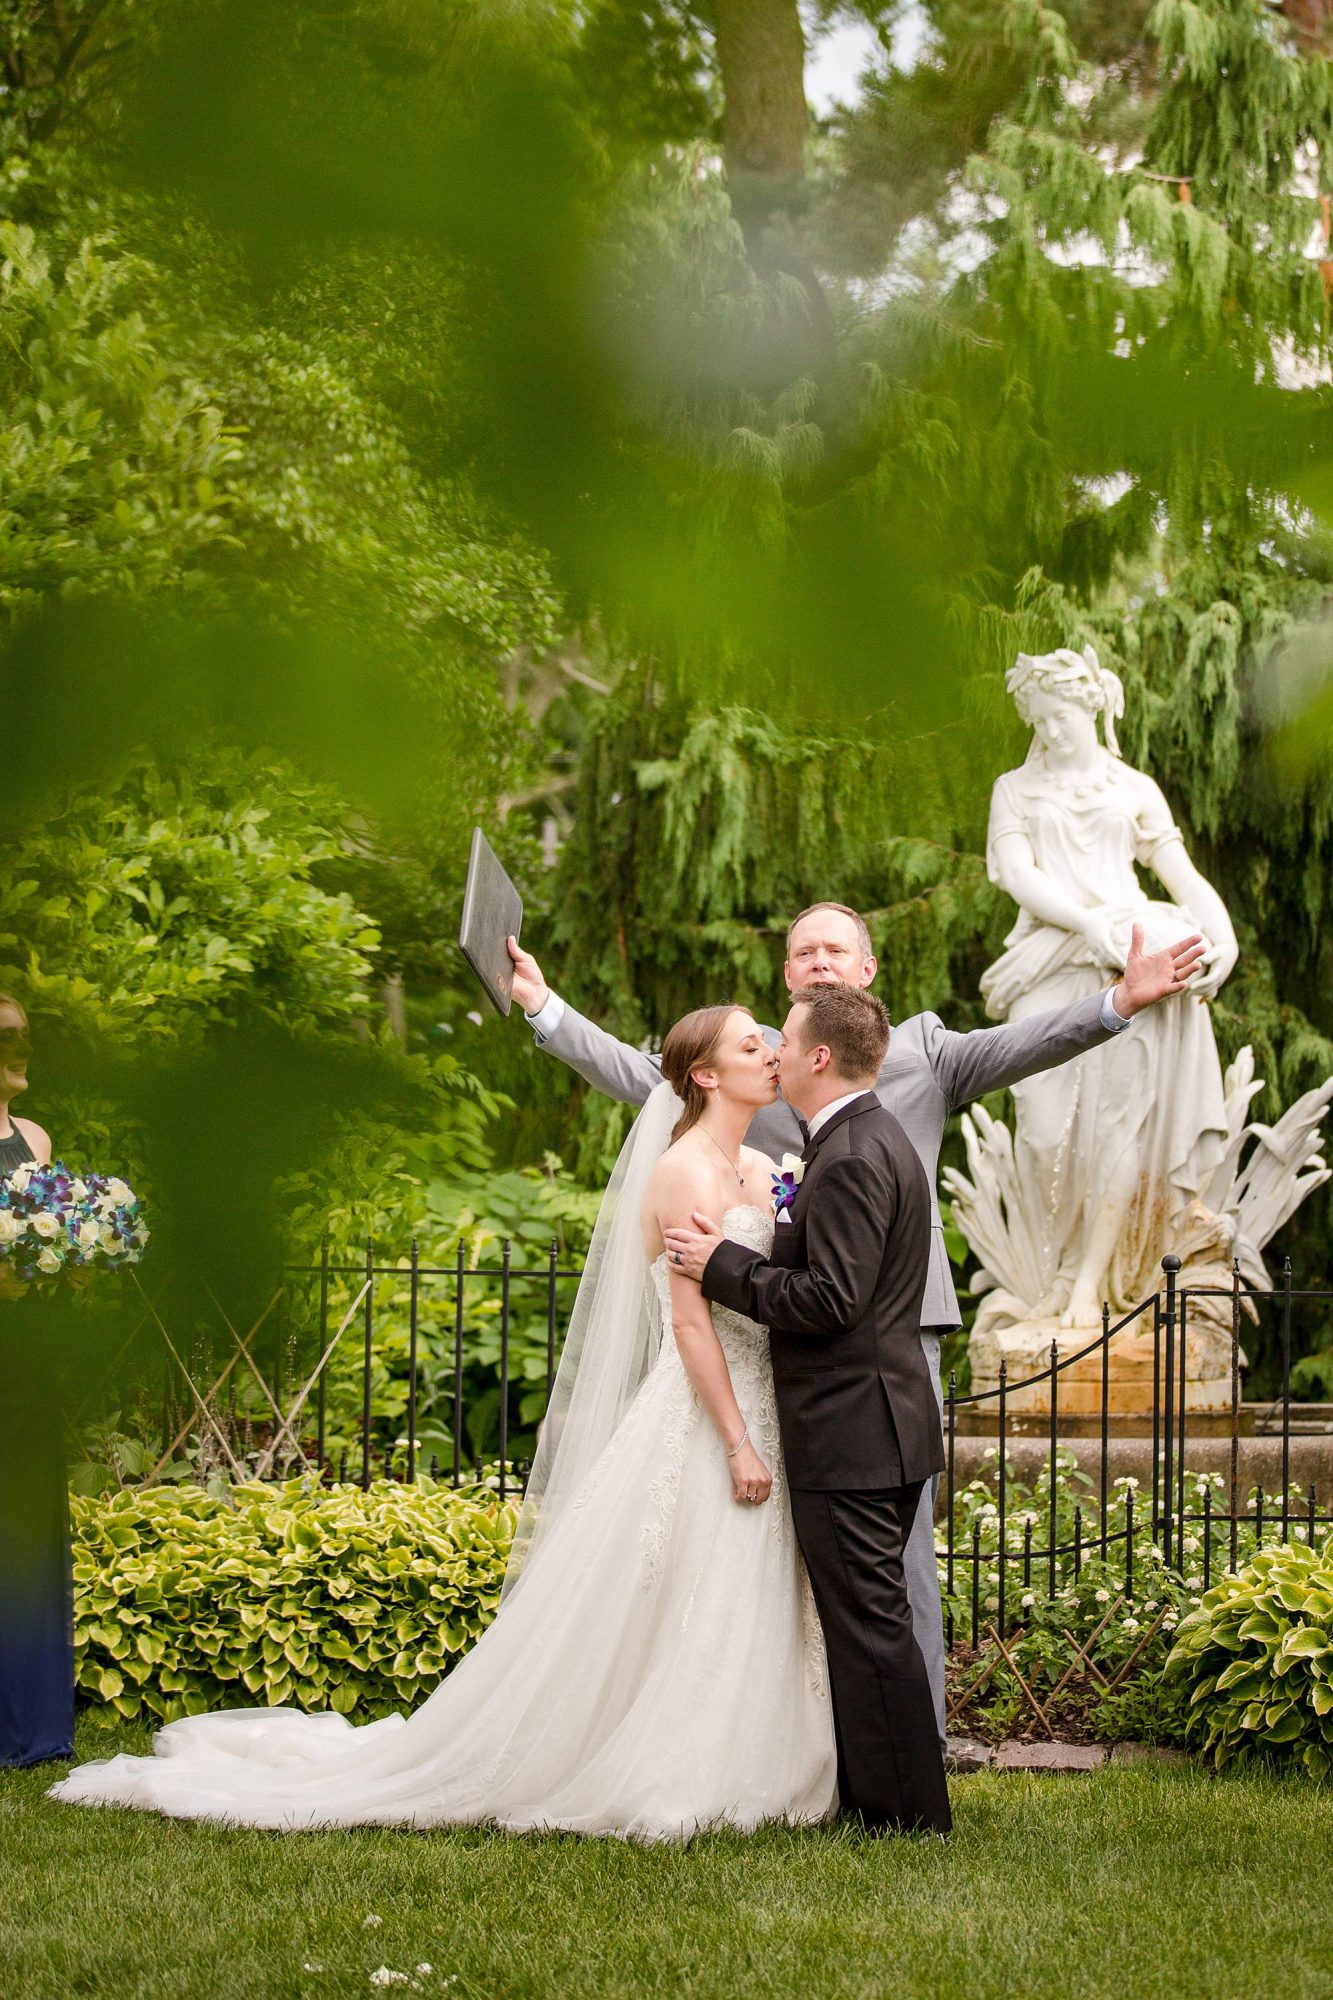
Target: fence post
[[1171, 1265], [279, 1356], [366, 1364], [1003, 1551], [1182, 1355], [1106, 1408], [948, 1496], [323, 1342], [1286, 1394], [1055, 1398], [504, 1365], [1235, 1408], [412, 1365], [552, 1261], [458, 1367], [1155, 1517]]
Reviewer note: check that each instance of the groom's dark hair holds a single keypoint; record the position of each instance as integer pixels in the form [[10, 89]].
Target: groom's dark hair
[[852, 1025]]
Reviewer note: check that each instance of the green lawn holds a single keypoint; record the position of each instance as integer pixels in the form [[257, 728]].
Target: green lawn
[[1130, 1883]]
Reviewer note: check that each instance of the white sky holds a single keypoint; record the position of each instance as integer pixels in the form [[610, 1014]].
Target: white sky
[[836, 59]]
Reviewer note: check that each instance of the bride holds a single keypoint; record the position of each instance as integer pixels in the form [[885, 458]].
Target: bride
[[656, 1665]]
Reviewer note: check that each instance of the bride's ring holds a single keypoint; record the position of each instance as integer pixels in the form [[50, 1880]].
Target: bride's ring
[[677, 1256]]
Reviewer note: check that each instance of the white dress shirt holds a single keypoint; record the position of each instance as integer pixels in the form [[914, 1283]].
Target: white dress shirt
[[822, 1117]]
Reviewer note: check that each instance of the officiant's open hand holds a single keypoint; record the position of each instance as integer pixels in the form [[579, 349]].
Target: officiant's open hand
[[1153, 976], [688, 1250], [530, 989]]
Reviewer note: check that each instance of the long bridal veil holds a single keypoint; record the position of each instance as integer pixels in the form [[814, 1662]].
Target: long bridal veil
[[614, 1333]]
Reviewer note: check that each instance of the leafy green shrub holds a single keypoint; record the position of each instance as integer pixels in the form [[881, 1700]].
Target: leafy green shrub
[[1259, 1656], [334, 1598]]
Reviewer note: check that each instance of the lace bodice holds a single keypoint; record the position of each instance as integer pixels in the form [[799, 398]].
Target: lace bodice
[[744, 1342]]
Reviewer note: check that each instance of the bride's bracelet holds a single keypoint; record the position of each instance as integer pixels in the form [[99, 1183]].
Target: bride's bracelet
[[732, 1449]]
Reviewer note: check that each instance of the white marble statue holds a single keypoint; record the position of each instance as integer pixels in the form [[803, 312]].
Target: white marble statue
[[1136, 1147], [1108, 1145]]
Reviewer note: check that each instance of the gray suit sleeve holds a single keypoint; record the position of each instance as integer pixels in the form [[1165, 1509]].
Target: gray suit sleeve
[[608, 1065], [967, 1066]]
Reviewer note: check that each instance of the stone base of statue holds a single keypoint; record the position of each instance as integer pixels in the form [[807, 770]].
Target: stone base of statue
[[1262, 1178], [1025, 1348]]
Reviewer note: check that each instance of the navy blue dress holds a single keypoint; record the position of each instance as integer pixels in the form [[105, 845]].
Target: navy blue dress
[[36, 1618]]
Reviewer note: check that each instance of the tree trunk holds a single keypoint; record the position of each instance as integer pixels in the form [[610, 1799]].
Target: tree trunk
[[761, 54], [761, 58], [1313, 22]]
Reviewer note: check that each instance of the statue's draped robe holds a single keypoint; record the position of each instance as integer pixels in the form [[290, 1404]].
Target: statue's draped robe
[[1154, 1096]]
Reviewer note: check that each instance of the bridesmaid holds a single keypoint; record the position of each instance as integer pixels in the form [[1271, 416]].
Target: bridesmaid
[[36, 1635]]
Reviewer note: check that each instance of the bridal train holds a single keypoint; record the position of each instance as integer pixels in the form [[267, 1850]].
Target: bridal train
[[658, 1669]]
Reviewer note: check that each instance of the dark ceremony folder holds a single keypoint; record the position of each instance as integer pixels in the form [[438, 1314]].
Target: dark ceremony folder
[[492, 913]]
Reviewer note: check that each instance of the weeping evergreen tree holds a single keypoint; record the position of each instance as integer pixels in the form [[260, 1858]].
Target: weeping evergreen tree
[[1084, 399]]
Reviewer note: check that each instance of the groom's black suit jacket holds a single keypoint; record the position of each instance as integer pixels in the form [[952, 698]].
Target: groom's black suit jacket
[[841, 1295]]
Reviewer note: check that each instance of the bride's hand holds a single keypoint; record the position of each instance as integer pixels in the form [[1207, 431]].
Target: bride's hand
[[751, 1480]]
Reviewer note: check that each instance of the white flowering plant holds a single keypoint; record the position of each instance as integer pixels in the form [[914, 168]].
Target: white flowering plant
[[55, 1223]]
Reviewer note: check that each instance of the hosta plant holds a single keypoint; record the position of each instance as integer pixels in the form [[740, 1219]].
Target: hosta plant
[[1258, 1653], [331, 1598]]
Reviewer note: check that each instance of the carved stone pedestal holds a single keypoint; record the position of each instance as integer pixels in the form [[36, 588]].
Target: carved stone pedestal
[[1026, 1350]]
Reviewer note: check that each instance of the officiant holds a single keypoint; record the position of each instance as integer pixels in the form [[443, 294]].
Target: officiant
[[36, 1617], [930, 1072]]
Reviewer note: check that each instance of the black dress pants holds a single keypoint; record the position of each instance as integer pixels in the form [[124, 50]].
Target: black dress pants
[[890, 1771]]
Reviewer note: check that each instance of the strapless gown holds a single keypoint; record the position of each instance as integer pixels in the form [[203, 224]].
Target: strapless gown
[[660, 1671]]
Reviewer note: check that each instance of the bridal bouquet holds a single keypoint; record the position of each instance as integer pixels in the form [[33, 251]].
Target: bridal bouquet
[[54, 1222]]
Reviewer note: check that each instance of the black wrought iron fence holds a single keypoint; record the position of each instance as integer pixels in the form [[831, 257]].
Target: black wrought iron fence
[[984, 1566], [1052, 1505]]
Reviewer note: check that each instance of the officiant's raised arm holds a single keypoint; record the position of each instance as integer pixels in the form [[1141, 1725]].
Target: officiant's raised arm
[[611, 1066]]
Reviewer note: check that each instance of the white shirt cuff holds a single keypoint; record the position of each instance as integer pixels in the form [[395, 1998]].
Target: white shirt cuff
[[1113, 1020], [552, 1012]]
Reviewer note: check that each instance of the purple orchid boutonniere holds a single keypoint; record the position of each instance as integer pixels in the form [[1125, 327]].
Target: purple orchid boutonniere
[[785, 1183]]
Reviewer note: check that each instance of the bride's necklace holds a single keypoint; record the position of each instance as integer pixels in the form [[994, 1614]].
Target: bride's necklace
[[740, 1177]]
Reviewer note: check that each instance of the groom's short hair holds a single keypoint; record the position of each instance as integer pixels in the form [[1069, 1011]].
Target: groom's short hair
[[851, 1023], [863, 937]]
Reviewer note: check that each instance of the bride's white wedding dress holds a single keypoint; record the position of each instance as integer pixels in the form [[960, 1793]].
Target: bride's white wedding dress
[[660, 1670]]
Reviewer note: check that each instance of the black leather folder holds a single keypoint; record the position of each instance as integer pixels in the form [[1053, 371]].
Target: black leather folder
[[492, 913]]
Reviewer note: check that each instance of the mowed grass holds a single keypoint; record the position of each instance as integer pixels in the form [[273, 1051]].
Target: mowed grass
[[1135, 1882]]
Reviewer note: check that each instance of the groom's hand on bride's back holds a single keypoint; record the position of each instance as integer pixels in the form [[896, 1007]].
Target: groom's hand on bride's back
[[530, 989]]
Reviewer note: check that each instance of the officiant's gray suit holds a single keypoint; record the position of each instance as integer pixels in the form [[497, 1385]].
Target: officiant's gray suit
[[929, 1072]]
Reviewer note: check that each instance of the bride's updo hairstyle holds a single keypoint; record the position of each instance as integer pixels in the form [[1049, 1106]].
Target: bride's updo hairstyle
[[691, 1045]]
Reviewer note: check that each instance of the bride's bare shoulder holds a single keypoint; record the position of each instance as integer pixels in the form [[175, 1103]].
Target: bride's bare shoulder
[[682, 1170]]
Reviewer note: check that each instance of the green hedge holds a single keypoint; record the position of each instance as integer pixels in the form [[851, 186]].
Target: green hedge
[[1258, 1655], [327, 1599]]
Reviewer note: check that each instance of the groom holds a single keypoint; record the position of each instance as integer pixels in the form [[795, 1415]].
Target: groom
[[841, 1294], [930, 1071]]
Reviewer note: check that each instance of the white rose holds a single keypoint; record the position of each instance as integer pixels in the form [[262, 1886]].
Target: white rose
[[48, 1260], [79, 1190], [119, 1192], [89, 1232], [108, 1239], [46, 1225], [19, 1179], [793, 1164], [10, 1227]]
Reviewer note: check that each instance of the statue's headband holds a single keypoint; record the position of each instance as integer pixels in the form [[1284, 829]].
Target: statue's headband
[[1065, 669]]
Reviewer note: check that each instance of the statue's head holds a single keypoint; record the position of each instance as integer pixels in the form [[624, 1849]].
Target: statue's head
[[1078, 679]]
